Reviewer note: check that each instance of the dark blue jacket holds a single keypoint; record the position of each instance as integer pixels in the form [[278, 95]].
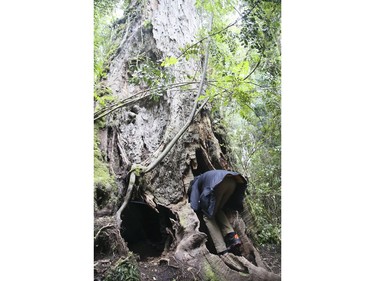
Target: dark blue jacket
[[202, 187]]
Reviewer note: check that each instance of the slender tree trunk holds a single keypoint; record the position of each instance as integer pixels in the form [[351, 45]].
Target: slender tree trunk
[[138, 133]]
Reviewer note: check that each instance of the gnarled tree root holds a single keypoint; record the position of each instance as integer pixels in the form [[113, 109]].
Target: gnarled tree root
[[231, 267]]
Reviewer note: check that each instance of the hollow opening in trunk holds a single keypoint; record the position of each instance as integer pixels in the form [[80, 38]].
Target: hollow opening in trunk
[[146, 231], [201, 161]]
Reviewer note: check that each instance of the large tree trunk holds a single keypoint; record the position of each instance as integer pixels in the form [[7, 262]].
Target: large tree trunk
[[138, 133]]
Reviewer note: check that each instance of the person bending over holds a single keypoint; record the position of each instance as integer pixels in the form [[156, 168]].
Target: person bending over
[[212, 192]]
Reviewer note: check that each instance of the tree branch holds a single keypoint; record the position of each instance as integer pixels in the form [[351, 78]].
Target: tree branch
[[251, 72], [110, 108]]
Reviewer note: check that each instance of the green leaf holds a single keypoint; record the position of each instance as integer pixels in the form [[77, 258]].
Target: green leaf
[[168, 61]]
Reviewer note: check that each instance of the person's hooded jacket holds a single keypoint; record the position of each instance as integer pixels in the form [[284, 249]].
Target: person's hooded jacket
[[201, 191]]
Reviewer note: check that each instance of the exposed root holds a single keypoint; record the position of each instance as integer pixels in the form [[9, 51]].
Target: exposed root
[[104, 227], [231, 267], [126, 199]]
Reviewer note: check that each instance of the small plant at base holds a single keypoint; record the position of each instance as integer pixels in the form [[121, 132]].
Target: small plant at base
[[124, 270]]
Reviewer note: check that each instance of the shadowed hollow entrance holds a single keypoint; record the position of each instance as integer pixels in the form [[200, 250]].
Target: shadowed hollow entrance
[[146, 232]]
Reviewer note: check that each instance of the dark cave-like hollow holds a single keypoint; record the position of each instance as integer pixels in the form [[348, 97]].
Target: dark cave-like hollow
[[201, 161], [145, 231]]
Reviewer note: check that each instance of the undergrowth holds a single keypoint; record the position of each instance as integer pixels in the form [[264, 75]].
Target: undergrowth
[[126, 269]]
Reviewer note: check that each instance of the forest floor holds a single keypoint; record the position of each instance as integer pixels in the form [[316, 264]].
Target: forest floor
[[271, 255], [154, 269], [157, 269]]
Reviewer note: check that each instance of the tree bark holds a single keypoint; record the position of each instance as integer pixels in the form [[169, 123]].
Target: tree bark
[[135, 134]]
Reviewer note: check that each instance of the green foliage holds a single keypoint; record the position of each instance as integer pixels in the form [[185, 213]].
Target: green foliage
[[124, 270], [264, 194], [104, 47], [102, 176], [106, 41], [168, 61], [261, 32], [191, 51], [217, 7], [149, 73], [103, 36], [244, 88]]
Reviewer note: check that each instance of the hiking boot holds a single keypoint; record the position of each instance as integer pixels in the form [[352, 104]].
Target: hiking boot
[[232, 241]]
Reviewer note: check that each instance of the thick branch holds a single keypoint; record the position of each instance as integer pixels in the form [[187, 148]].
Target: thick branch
[[136, 97]]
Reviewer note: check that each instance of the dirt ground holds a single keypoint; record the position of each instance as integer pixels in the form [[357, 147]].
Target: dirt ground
[[271, 255], [156, 269]]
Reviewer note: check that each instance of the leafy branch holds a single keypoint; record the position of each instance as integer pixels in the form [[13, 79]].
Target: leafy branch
[[217, 32], [256, 66], [207, 37]]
